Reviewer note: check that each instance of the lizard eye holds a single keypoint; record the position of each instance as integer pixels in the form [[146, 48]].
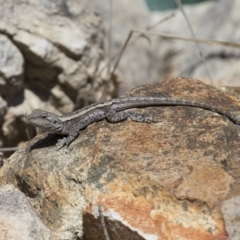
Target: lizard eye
[[44, 116]]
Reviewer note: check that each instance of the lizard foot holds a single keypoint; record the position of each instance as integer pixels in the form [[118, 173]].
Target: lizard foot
[[138, 117], [61, 143]]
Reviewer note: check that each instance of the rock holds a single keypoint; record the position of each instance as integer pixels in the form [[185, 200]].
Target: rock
[[59, 45], [3, 108], [177, 178], [11, 68], [230, 211], [231, 90], [52, 58], [18, 220], [14, 127], [1, 160]]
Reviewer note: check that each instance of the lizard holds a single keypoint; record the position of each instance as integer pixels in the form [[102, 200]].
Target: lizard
[[114, 110]]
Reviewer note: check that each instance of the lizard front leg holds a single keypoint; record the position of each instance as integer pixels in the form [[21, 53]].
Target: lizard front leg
[[67, 140]]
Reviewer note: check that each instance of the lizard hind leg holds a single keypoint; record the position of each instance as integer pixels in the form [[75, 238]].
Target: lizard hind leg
[[113, 116]]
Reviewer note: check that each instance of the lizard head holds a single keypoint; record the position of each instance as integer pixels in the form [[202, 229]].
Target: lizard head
[[45, 120]]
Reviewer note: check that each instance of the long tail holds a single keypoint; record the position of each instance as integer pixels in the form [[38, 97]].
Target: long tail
[[121, 104]]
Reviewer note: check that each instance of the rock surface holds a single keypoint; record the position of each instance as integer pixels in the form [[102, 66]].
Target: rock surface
[[174, 179], [52, 56], [11, 67], [18, 220]]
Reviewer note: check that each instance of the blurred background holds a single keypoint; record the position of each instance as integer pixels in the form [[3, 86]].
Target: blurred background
[[59, 55], [150, 61]]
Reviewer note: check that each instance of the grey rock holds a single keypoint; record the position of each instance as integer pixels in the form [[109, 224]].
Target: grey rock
[[1, 160], [15, 128], [18, 220], [61, 45], [11, 67], [52, 59], [231, 213], [3, 109]]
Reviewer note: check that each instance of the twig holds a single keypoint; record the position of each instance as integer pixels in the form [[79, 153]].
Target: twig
[[121, 52], [27, 127], [9, 149], [110, 35], [103, 222], [163, 35], [199, 40], [160, 22], [109, 76], [180, 6]]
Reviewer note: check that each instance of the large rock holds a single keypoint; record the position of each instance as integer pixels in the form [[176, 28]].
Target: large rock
[[60, 45], [52, 57], [174, 179]]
